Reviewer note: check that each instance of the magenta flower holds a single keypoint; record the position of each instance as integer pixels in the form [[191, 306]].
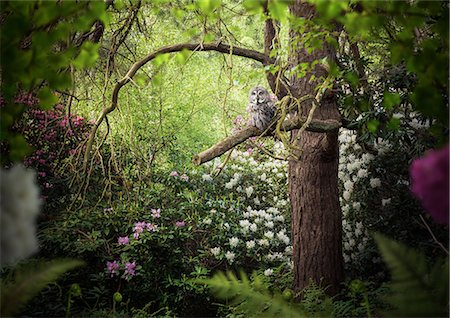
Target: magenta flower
[[173, 174], [430, 183], [156, 213], [180, 224], [184, 177], [136, 236], [250, 150], [123, 240], [130, 269], [113, 267]]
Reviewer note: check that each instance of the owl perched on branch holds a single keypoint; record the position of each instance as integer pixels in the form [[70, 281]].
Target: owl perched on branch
[[261, 107]]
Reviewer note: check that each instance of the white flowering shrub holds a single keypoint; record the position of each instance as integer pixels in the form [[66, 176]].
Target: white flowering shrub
[[19, 207]]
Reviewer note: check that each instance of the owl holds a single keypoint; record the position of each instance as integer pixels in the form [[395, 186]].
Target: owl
[[261, 107]]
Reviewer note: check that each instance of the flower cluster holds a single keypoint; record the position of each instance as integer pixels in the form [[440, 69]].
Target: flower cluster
[[19, 206], [114, 267]]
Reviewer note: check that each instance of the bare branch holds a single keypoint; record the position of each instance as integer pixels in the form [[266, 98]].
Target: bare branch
[[218, 47], [320, 126]]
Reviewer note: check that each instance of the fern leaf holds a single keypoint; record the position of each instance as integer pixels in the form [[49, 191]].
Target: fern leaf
[[417, 291], [28, 280], [253, 301]]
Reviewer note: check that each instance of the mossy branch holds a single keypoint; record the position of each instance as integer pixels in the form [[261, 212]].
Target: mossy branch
[[320, 126]]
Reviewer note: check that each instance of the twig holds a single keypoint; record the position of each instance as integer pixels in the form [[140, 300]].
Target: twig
[[432, 235]]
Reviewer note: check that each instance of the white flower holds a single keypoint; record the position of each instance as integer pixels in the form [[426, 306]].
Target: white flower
[[256, 201], [385, 202], [346, 195], [348, 185], [244, 223], [357, 206], [362, 173], [269, 235], [226, 226], [213, 211], [263, 177], [215, 251], [257, 220], [253, 227], [269, 224], [19, 206], [229, 185], [230, 256], [249, 191], [234, 241], [206, 177], [279, 218], [263, 242], [250, 244], [207, 221], [268, 272], [375, 182], [283, 237]]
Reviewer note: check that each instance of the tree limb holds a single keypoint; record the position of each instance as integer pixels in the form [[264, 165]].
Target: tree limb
[[228, 143], [218, 47]]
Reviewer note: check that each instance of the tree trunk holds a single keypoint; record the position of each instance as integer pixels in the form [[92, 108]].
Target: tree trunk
[[313, 180]]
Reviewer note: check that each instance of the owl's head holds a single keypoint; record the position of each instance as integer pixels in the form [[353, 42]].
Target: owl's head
[[259, 95]]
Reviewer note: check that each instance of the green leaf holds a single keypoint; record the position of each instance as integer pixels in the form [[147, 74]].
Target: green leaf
[[278, 10], [253, 6], [390, 100], [160, 59], [87, 56], [181, 57], [372, 125], [393, 124], [417, 290], [46, 98], [18, 148], [208, 6], [28, 280]]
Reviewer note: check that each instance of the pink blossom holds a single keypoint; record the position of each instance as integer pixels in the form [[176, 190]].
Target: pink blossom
[[156, 213], [123, 240], [151, 227], [113, 267], [184, 177], [139, 227], [72, 152], [41, 174], [430, 183], [130, 269], [250, 150], [173, 174], [136, 236], [180, 224]]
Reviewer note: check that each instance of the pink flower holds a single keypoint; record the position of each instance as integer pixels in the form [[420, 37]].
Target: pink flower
[[151, 227], [430, 183], [136, 236], [123, 240], [184, 177], [156, 213], [113, 267], [173, 174], [139, 227], [130, 269], [250, 150], [180, 224]]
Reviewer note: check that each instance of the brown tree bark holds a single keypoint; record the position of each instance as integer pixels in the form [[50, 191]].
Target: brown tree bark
[[313, 180]]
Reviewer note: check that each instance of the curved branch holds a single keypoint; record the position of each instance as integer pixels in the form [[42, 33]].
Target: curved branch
[[228, 143], [218, 47]]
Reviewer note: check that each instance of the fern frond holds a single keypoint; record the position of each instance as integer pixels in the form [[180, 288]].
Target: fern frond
[[252, 298], [28, 280], [417, 291]]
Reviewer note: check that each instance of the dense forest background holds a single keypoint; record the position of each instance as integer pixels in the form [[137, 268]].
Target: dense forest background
[[134, 184]]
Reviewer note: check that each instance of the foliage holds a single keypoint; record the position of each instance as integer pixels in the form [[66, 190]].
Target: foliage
[[251, 299], [417, 289], [37, 53], [25, 282]]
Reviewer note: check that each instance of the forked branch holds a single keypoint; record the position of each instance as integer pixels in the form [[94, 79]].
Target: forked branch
[[218, 47]]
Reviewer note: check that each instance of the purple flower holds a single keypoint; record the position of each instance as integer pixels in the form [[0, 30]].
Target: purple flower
[[180, 224], [130, 269], [139, 227], [173, 174], [151, 227], [136, 236], [184, 177], [113, 267], [430, 183], [123, 240], [156, 213]]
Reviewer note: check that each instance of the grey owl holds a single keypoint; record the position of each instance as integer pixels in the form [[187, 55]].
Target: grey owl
[[261, 107]]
